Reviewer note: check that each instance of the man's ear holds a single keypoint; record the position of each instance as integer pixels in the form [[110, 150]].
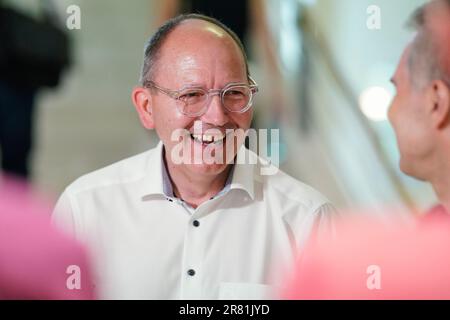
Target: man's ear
[[439, 98], [142, 100]]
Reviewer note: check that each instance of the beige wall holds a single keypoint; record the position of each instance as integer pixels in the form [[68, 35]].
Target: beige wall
[[89, 121]]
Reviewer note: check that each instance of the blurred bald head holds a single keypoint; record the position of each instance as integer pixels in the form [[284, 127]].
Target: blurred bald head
[[430, 50]]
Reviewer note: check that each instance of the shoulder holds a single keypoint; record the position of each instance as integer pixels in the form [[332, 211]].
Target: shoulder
[[96, 189], [121, 172], [293, 190], [300, 206], [286, 189]]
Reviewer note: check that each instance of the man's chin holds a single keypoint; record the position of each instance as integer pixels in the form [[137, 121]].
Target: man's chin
[[407, 168], [404, 167]]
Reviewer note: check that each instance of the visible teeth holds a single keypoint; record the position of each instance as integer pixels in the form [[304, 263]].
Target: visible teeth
[[197, 137], [219, 137], [208, 138]]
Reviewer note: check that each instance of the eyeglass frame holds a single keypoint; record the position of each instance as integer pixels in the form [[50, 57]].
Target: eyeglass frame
[[175, 94]]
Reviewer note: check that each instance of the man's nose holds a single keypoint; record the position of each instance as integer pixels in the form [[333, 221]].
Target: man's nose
[[216, 114]]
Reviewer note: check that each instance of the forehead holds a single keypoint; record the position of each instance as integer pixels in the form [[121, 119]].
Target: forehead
[[197, 46]]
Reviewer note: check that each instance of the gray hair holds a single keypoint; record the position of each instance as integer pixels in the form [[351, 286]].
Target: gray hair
[[153, 46], [426, 60]]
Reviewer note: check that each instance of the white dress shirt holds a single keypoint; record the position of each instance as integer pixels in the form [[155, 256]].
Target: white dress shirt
[[147, 244]]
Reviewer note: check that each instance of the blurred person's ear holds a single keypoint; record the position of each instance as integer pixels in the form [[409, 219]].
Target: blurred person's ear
[[439, 101], [142, 101]]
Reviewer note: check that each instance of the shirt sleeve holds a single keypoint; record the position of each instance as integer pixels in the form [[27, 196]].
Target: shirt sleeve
[[307, 223], [325, 218], [63, 215], [66, 218]]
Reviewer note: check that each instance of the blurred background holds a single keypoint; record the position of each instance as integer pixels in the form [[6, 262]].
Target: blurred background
[[333, 96]]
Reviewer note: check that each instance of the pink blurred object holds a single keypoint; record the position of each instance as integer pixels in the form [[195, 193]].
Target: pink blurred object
[[368, 260], [35, 258]]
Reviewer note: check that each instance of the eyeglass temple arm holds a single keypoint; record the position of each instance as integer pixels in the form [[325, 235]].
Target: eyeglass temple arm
[[170, 93], [253, 84]]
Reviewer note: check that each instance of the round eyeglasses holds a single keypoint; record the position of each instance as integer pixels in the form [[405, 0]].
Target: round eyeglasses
[[194, 101]]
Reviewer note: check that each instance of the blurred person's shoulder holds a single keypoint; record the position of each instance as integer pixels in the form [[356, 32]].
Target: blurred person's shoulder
[[33, 253]]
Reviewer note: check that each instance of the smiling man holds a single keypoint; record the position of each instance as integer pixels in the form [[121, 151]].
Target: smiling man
[[420, 111], [160, 228]]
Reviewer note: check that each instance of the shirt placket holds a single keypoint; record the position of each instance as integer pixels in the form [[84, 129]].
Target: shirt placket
[[192, 266]]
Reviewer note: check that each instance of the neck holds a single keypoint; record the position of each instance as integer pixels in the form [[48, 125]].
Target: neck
[[441, 181], [441, 187], [193, 188]]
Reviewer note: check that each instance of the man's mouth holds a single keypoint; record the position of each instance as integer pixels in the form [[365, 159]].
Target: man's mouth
[[207, 139]]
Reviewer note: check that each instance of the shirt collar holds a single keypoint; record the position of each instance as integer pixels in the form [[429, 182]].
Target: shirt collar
[[167, 184], [157, 181], [244, 171], [152, 183]]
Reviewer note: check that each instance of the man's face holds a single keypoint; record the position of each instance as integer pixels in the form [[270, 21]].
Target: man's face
[[407, 115], [201, 54]]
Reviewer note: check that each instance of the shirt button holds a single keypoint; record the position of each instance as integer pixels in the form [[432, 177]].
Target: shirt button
[[196, 223], [191, 272]]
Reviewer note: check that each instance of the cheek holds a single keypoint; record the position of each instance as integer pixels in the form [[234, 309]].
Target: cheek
[[167, 120], [244, 120], [399, 114], [412, 133], [395, 108], [398, 118]]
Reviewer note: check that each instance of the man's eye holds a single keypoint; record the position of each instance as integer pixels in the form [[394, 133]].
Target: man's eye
[[191, 95], [234, 93]]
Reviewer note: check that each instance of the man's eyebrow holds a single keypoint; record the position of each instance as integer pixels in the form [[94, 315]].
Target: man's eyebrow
[[193, 84]]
